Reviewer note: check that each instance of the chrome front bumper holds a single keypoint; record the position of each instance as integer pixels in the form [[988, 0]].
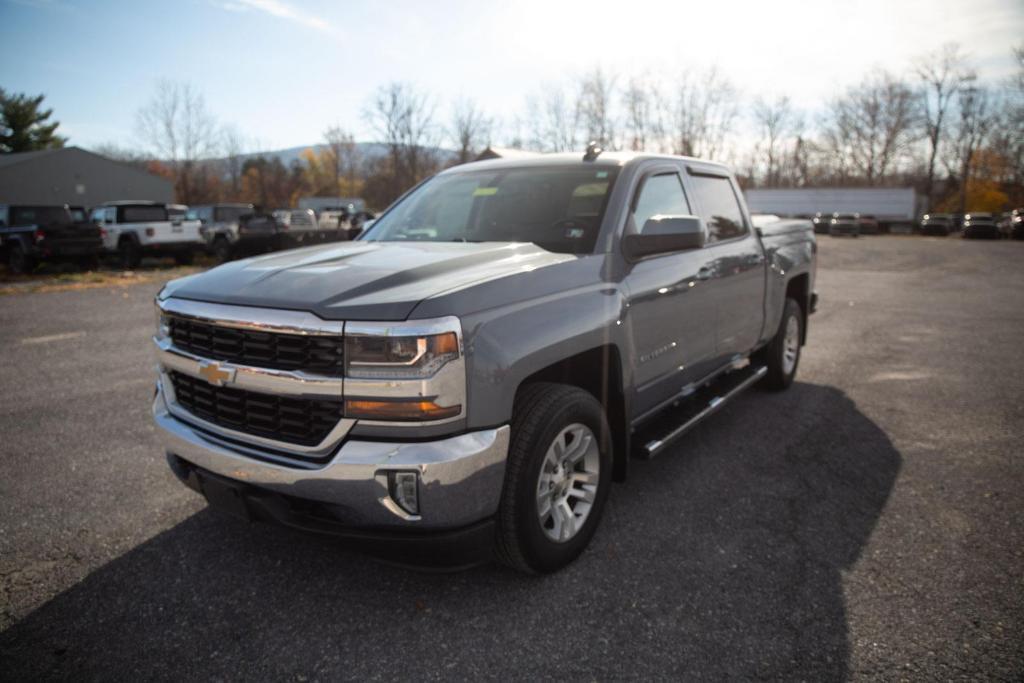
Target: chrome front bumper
[[460, 477]]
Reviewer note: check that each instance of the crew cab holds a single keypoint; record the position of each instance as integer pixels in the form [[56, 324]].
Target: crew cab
[[134, 229], [467, 379], [30, 234]]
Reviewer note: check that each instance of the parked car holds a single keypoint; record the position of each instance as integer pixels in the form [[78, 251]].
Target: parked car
[[868, 225], [258, 233], [33, 233], [821, 222], [940, 224], [1017, 224], [133, 229], [220, 226], [1011, 224], [844, 224], [474, 372], [298, 227], [980, 226]]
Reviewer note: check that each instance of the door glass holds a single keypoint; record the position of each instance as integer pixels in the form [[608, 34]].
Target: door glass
[[719, 208], [660, 195]]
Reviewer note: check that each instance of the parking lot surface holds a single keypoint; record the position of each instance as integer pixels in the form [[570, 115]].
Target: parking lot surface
[[864, 524]]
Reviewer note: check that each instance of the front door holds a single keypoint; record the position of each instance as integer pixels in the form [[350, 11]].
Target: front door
[[671, 313]]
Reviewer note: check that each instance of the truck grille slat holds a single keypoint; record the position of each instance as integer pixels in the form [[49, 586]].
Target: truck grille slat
[[279, 351], [301, 421]]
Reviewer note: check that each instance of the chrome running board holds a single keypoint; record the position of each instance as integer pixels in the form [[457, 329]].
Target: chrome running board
[[675, 422]]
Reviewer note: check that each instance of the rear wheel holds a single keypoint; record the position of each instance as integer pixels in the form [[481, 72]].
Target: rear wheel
[[18, 261], [782, 355], [221, 250], [129, 253], [557, 478]]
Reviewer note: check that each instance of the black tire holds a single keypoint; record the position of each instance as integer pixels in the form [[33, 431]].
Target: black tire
[[541, 412], [129, 253], [221, 249], [18, 262], [772, 356], [184, 258]]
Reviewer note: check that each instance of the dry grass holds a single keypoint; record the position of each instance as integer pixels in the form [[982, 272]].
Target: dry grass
[[93, 279]]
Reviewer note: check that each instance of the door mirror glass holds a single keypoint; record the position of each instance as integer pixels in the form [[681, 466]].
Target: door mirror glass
[[663, 235]]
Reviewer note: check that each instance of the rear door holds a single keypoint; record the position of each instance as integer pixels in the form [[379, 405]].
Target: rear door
[[736, 262], [671, 312]]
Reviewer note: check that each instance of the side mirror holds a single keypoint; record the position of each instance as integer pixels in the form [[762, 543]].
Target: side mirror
[[664, 235]]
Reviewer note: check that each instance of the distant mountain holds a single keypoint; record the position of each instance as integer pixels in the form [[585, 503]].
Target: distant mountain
[[367, 151]]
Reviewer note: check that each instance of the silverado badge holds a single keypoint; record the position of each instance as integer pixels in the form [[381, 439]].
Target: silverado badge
[[215, 374]]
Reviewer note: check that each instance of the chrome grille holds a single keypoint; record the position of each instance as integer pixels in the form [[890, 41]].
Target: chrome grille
[[319, 354], [305, 422]]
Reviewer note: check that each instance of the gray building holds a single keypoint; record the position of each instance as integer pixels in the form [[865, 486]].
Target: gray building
[[74, 176]]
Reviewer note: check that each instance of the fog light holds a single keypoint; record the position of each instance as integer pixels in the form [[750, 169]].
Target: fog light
[[404, 490]]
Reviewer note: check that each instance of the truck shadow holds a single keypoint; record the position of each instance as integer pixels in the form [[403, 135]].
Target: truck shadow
[[721, 559]]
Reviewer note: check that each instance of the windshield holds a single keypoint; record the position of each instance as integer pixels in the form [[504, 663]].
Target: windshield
[[557, 208], [39, 215]]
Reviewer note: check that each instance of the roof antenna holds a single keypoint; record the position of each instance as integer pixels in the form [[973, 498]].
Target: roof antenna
[[593, 150]]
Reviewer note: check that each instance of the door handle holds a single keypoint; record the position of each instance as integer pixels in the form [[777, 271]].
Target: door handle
[[704, 273]]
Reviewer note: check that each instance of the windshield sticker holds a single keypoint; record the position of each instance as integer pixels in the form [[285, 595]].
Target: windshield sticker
[[602, 174], [485, 191]]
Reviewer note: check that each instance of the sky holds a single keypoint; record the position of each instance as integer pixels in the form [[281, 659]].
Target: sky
[[284, 70]]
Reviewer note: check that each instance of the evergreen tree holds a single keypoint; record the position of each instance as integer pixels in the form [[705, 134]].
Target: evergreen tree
[[24, 127]]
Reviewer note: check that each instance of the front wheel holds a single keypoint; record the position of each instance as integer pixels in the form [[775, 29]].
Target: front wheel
[[130, 254], [18, 262], [782, 355], [557, 478]]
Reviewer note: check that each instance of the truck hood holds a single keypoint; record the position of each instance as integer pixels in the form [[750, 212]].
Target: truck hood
[[361, 280]]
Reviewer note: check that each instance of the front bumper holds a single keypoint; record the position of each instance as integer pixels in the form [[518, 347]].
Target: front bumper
[[460, 484]]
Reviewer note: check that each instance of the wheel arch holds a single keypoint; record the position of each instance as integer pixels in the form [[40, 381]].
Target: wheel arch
[[597, 371], [799, 289]]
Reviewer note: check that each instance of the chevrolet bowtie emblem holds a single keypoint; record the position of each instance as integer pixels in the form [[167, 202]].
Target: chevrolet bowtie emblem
[[215, 374]]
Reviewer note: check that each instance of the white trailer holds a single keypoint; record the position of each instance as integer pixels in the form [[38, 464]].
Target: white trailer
[[897, 209], [321, 204]]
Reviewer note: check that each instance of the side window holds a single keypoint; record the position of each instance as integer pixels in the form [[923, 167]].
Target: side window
[[660, 195], [719, 208]]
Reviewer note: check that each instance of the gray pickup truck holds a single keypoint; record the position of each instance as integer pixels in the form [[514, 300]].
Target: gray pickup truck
[[468, 378]]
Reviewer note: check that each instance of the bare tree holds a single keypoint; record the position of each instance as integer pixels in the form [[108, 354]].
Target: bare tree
[[470, 129], [594, 104], [774, 120], [404, 119], [701, 114], [551, 120], [343, 157], [943, 73], [179, 130], [233, 148], [872, 125], [641, 124], [975, 120]]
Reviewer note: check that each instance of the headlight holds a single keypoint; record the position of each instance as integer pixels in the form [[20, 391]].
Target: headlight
[[405, 372], [163, 324], [399, 357]]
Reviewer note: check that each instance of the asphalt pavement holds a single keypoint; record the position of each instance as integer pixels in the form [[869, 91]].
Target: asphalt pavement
[[865, 524]]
